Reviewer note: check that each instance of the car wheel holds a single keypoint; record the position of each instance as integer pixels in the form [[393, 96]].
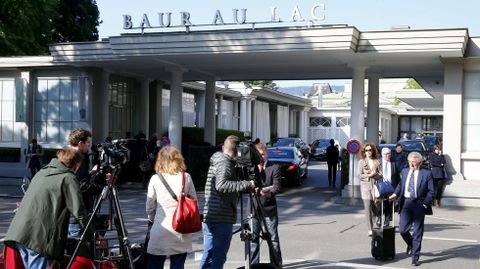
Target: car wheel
[[299, 181]]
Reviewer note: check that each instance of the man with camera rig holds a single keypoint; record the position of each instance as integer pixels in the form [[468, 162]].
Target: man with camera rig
[[222, 191], [270, 178]]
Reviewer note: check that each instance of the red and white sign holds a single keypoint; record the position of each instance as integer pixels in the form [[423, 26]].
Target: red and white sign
[[353, 146]]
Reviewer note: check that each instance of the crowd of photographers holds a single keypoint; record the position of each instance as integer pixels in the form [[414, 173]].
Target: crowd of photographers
[[67, 186]]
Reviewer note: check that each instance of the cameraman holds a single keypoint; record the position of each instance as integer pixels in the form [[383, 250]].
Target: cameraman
[[222, 191], [270, 177], [91, 183]]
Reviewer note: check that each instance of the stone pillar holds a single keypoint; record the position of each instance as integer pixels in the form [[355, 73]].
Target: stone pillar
[[243, 114], [26, 132], [235, 114], [156, 102], [291, 121], [220, 111], [144, 106], [100, 105], [373, 109], [209, 131], [452, 118], [302, 132], [352, 190], [249, 115], [200, 108], [175, 123]]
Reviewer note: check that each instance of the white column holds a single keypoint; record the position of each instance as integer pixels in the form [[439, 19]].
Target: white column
[[100, 105], [243, 114], [27, 126], [158, 108], [209, 130], [373, 109], [452, 118], [220, 111], [144, 106], [249, 115], [200, 108], [254, 130], [235, 114], [175, 123], [291, 121], [302, 132], [356, 129]]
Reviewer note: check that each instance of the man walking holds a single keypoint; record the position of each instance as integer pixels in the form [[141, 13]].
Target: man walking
[[332, 161], [390, 174], [415, 192]]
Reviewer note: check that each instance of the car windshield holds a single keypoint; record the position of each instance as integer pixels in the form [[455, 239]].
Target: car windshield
[[284, 143], [280, 154], [413, 146], [323, 143]]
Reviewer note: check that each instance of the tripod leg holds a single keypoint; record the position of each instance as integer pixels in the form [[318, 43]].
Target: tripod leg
[[87, 228], [122, 232]]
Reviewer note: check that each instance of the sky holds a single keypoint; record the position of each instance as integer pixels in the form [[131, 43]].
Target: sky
[[365, 15]]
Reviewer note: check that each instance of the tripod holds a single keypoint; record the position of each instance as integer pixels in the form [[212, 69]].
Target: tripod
[[109, 192], [247, 234]]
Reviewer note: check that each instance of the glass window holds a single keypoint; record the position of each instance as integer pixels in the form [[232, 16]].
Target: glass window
[[320, 122], [343, 121], [9, 129], [404, 124], [121, 108], [56, 103]]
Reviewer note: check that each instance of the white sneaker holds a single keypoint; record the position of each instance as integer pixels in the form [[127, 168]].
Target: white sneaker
[[370, 233]]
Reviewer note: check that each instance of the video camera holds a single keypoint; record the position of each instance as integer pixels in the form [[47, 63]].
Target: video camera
[[113, 153], [248, 159]]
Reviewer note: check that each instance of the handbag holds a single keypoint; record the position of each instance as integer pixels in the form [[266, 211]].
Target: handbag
[[382, 189], [445, 173], [186, 218]]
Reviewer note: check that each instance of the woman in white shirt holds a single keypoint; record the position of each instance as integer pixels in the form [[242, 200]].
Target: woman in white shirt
[[164, 241]]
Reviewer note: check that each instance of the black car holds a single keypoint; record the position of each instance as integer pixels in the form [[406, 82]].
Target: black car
[[417, 145], [291, 142], [319, 147], [293, 165]]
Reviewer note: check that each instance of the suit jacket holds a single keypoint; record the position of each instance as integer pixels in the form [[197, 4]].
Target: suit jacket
[[395, 174], [271, 176], [424, 188]]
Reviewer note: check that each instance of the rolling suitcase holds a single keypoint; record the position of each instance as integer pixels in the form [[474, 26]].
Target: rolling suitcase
[[383, 238]]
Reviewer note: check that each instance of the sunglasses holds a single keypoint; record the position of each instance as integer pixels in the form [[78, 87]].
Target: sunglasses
[[368, 150]]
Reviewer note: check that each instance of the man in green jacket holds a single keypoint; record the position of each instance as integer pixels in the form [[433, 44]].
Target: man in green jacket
[[39, 229]]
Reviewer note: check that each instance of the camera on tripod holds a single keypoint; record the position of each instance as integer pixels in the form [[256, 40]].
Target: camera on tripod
[[113, 154], [248, 159]]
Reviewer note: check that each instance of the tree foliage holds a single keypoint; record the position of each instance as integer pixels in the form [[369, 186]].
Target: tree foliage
[[27, 27], [269, 84], [413, 84]]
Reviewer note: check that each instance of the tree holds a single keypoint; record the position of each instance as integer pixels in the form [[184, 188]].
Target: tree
[[27, 27], [263, 83], [412, 84], [77, 20]]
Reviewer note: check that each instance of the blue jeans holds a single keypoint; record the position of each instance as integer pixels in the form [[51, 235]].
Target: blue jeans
[[32, 259], [272, 226], [216, 242], [157, 261]]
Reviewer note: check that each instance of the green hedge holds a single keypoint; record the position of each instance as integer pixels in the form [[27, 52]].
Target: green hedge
[[10, 155], [197, 153]]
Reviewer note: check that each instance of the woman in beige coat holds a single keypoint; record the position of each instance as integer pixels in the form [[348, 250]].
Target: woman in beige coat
[[368, 171], [164, 241]]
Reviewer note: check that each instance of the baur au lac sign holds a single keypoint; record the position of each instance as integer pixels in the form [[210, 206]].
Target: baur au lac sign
[[239, 16]]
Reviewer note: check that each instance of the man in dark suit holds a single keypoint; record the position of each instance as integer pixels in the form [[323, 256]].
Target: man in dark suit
[[332, 161], [415, 192], [270, 176], [390, 173]]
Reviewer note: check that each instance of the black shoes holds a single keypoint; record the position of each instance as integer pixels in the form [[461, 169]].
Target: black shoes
[[409, 250], [415, 263]]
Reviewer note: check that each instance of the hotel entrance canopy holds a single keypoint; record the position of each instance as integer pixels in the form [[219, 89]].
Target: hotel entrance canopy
[[271, 53]]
